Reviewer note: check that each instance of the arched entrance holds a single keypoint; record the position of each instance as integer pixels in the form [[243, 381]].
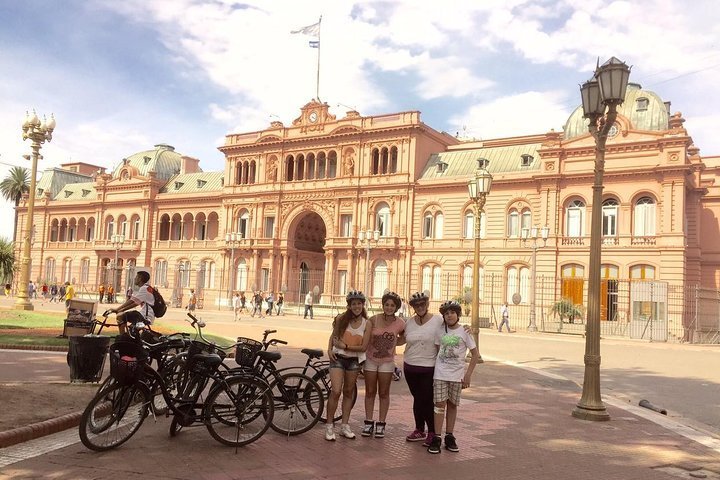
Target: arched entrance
[[306, 250]]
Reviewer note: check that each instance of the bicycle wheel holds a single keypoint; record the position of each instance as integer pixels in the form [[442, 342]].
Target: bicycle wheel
[[323, 379], [299, 403], [113, 416], [239, 412], [171, 374]]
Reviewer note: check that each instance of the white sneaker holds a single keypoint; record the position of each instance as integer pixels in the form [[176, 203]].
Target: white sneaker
[[330, 433], [346, 432]]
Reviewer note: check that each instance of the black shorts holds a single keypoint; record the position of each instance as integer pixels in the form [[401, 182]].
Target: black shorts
[[132, 317]]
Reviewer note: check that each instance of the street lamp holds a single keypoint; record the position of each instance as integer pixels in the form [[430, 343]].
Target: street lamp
[[117, 243], [368, 239], [532, 234], [231, 242], [478, 188], [601, 96], [38, 132]]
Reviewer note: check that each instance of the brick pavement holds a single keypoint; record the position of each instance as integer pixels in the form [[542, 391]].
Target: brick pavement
[[513, 424]]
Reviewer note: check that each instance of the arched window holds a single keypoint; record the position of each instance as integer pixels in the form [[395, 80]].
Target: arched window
[[109, 227], [206, 274], [50, 269], [609, 217], [575, 219], [54, 231], [525, 219], [382, 219], [380, 278], [160, 272], [72, 230], [573, 283], [431, 281], [241, 275], [185, 271], [393, 159], [642, 272], [332, 164], [644, 217], [469, 230], [321, 165], [467, 280], [135, 227], [67, 270], [90, 235], [518, 281], [513, 224], [84, 271], [289, 168], [243, 224], [433, 225], [375, 161]]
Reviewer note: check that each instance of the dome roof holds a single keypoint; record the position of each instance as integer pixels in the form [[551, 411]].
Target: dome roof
[[163, 160], [644, 109]]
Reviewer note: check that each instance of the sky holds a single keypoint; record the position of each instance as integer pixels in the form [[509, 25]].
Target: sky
[[121, 77]]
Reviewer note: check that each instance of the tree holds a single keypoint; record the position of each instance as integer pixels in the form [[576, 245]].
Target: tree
[[13, 187], [7, 260], [565, 308]]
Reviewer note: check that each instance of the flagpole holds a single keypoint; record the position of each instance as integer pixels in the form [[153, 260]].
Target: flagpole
[[317, 83]]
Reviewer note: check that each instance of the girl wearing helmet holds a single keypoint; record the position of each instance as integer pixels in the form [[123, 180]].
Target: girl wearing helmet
[[387, 331], [346, 348], [419, 365], [450, 374]]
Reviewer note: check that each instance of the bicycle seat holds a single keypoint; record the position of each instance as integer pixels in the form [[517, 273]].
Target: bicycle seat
[[269, 356], [312, 352]]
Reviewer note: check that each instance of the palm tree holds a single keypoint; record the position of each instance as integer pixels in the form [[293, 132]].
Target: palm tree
[[565, 308], [7, 260], [13, 187]]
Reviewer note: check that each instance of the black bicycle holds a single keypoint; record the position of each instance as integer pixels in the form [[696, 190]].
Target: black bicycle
[[237, 411]]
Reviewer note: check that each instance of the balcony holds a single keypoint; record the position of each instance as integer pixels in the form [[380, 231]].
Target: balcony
[[186, 244], [642, 240], [573, 241]]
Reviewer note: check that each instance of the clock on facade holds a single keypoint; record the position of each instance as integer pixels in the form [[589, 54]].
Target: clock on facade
[[313, 117]]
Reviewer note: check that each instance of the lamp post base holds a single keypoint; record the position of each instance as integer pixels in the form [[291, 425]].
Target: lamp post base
[[23, 304], [532, 328], [594, 414]]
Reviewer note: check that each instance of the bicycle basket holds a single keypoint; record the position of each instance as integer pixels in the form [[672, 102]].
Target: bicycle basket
[[127, 360], [197, 346], [246, 351]]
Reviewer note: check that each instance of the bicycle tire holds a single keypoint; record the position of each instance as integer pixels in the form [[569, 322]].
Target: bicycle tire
[[322, 378], [239, 412], [299, 403], [113, 416], [171, 374]]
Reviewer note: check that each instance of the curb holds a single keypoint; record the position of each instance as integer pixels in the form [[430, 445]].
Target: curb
[[40, 429], [45, 348]]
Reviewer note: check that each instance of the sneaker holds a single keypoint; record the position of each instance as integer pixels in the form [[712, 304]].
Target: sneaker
[[330, 433], [368, 429], [428, 439], [450, 443], [346, 432], [435, 445], [379, 429], [416, 436]]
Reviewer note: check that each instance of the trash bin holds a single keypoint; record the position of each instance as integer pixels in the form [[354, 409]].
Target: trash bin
[[86, 357]]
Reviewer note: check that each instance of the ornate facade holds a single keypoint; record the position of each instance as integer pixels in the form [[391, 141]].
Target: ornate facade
[[286, 212]]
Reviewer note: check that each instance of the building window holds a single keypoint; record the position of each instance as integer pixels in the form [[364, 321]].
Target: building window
[[644, 217], [525, 219], [573, 283], [346, 225], [526, 160], [467, 280], [206, 274], [380, 278], [110, 229], [641, 104], [382, 219], [469, 232], [67, 270], [575, 219], [50, 270], [513, 224], [342, 282], [265, 279], [427, 225], [431, 281], [243, 226], [518, 282], [84, 271], [185, 270], [136, 229], [160, 273], [241, 276], [433, 225], [610, 217], [642, 272], [269, 231]]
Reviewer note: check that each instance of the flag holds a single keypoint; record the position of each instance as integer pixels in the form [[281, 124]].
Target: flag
[[314, 43], [313, 30]]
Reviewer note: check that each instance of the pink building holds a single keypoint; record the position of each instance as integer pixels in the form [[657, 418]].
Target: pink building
[[292, 208]]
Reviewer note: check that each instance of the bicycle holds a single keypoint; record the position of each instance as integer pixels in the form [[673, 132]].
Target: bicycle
[[298, 399], [238, 409]]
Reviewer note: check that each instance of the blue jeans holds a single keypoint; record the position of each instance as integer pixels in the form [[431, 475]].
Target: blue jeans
[[506, 322], [308, 308]]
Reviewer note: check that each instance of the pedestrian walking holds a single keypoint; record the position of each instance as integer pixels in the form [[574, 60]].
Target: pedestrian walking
[[450, 377], [243, 301], [257, 304], [101, 292], [237, 305], [53, 293], [69, 294], [192, 301], [270, 303], [111, 294], [505, 314], [31, 290], [61, 293], [7, 289], [45, 291], [308, 305], [346, 349], [280, 302], [387, 330]]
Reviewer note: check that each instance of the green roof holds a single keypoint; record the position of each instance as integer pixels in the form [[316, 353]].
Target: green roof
[[163, 160], [54, 179], [194, 183], [77, 191], [500, 160]]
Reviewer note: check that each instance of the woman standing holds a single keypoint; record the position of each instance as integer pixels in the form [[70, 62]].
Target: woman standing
[[387, 332], [419, 365], [346, 349]]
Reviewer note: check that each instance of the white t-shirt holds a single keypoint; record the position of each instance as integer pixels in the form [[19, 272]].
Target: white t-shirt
[[236, 301], [420, 349], [146, 301], [450, 363]]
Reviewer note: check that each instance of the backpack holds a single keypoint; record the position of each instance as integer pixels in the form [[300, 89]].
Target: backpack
[[160, 307]]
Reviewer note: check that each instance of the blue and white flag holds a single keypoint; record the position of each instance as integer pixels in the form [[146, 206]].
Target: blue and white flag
[[314, 43], [312, 30]]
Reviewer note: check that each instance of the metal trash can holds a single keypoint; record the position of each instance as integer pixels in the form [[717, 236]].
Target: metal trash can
[[86, 357]]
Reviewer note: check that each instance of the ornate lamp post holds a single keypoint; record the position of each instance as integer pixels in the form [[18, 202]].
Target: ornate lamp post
[[478, 188], [532, 234], [117, 243], [231, 242], [38, 132], [601, 96], [368, 239]]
